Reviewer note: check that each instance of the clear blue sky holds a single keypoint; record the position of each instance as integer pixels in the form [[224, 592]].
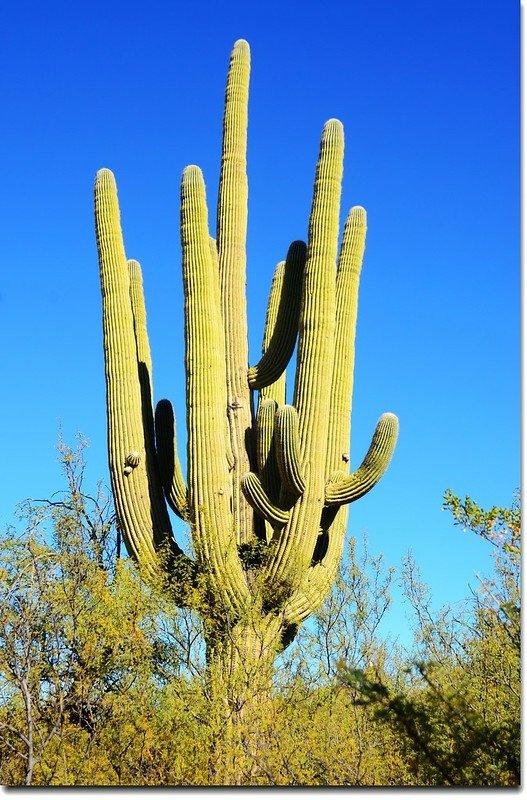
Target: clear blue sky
[[429, 97]]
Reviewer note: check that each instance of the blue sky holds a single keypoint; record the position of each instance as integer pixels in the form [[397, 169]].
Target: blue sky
[[429, 97]]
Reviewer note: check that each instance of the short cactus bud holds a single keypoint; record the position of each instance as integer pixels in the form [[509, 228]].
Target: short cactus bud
[[131, 461]]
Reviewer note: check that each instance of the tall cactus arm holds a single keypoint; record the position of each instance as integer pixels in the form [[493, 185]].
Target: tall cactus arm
[[144, 363], [137, 300], [373, 467], [144, 359], [209, 485], [260, 501], [317, 318], [265, 449], [314, 360], [347, 290], [277, 390], [231, 244], [170, 470], [282, 321], [266, 455], [321, 575], [228, 447], [288, 450], [139, 504]]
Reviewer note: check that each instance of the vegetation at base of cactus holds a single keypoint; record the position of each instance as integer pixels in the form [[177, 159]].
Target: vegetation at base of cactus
[[267, 482], [104, 682]]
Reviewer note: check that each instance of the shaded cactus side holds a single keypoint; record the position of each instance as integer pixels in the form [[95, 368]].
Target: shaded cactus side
[[273, 482]]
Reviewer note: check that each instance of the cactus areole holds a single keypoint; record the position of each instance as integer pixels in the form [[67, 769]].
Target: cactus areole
[[268, 483]]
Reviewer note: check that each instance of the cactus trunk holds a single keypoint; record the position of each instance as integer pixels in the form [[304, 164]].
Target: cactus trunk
[[240, 672]]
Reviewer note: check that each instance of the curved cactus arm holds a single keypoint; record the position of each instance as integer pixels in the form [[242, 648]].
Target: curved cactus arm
[[296, 542], [259, 500], [373, 467], [231, 243], [287, 451], [281, 325], [347, 290], [209, 483], [170, 470], [139, 502]]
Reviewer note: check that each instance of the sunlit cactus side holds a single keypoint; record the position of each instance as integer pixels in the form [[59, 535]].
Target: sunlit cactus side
[[267, 483]]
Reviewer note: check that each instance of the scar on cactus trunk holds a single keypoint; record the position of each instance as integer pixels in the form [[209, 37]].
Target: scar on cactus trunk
[[268, 484]]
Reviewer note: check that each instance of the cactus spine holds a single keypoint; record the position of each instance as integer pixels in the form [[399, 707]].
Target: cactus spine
[[267, 491]]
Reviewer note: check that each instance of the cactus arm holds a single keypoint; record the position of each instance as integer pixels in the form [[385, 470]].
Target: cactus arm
[[209, 485], [259, 500], [137, 300], [317, 319], [265, 453], [228, 448], [214, 253], [143, 356], [144, 364], [373, 467], [231, 240], [347, 290], [170, 471], [287, 451], [277, 390], [341, 489], [294, 551], [265, 450], [282, 321], [320, 576], [139, 505]]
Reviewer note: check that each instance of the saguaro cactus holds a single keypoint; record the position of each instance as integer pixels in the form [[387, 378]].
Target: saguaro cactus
[[268, 483]]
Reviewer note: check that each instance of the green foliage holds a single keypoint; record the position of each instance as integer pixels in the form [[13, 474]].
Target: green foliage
[[500, 526], [456, 711], [103, 681]]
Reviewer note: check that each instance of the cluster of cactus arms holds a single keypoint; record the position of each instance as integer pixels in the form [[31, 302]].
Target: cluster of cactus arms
[[268, 483]]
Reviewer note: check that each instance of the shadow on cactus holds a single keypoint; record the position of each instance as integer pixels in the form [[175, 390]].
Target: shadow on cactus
[[267, 492]]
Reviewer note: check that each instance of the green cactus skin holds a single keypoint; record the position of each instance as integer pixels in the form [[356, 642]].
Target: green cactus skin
[[352, 487], [230, 238], [140, 508], [288, 451], [257, 496], [277, 390], [265, 449], [282, 320], [268, 483], [209, 482]]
